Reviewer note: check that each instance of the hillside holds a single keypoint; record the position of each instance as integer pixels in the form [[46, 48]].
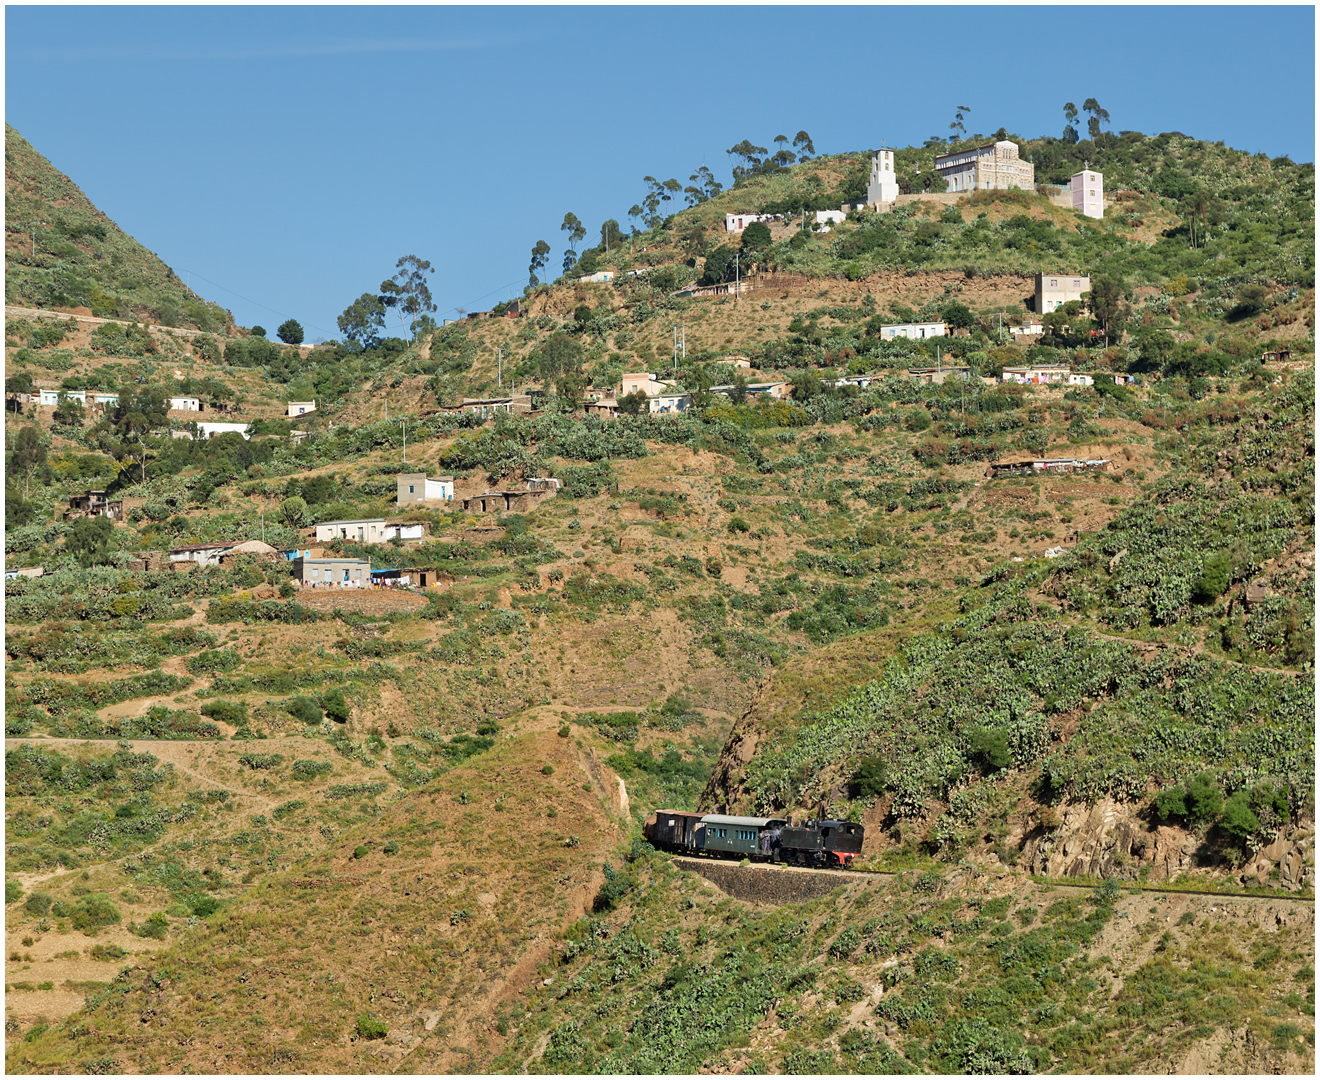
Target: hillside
[[78, 259], [257, 828]]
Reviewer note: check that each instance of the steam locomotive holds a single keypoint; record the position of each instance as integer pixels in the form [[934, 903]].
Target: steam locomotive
[[814, 842]]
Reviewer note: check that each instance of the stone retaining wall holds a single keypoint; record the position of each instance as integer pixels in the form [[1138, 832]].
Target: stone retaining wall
[[768, 884]]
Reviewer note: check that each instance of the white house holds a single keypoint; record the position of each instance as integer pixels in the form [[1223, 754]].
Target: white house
[[600, 277], [826, 218], [913, 330], [670, 403], [297, 408], [52, 397], [363, 530], [186, 404], [209, 430], [405, 530], [1080, 378], [415, 487], [1088, 193], [738, 222], [1038, 375], [646, 382], [103, 398]]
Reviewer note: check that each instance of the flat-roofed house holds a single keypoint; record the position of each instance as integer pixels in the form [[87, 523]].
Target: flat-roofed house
[[416, 487], [1055, 290], [332, 573], [363, 530]]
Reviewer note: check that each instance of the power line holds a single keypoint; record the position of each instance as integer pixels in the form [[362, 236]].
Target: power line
[[283, 314], [479, 299]]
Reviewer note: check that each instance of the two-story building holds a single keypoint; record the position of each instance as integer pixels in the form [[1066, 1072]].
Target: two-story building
[[1087, 189], [1055, 290]]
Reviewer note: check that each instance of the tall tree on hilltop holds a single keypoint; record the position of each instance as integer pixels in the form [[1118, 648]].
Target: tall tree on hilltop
[[1070, 122], [408, 292], [576, 231], [784, 157], [1097, 115], [704, 186], [363, 320], [958, 118], [540, 254], [802, 144], [658, 193], [751, 157]]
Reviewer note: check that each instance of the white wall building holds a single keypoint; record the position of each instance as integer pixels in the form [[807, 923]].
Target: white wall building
[[52, 397], [1088, 193], [298, 408], [415, 487], [995, 167], [913, 330], [186, 404], [209, 430], [600, 277], [363, 530], [670, 403], [826, 218], [738, 222], [883, 185]]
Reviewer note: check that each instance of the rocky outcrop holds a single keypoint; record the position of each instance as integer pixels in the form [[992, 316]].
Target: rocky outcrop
[[1112, 839]]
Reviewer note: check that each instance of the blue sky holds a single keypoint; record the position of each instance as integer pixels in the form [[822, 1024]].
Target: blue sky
[[287, 157]]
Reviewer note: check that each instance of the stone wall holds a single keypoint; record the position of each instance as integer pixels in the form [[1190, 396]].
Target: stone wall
[[761, 884]]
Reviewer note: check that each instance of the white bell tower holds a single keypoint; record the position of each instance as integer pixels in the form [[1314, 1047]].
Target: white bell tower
[[883, 186]]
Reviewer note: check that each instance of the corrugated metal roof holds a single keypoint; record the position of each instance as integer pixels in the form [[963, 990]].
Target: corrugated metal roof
[[746, 822]]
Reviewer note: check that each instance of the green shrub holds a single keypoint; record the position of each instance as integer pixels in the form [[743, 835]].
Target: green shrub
[[305, 709], [203, 906], [548, 770], [335, 705], [290, 807], [1239, 819], [360, 852], [212, 661], [106, 952], [869, 778], [310, 770], [91, 913], [155, 926], [368, 1027], [738, 525], [234, 713], [38, 904], [13, 892], [991, 746]]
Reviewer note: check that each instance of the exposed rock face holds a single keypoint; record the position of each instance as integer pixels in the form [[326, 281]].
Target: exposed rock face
[[1110, 839]]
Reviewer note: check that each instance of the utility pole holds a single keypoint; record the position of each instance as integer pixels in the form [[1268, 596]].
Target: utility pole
[[737, 277], [263, 524], [33, 237], [499, 376], [405, 440]]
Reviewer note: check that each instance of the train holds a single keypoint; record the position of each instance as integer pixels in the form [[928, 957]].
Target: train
[[815, 842]]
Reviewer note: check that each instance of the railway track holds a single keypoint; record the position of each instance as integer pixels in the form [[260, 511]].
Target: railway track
[[699, 865]]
